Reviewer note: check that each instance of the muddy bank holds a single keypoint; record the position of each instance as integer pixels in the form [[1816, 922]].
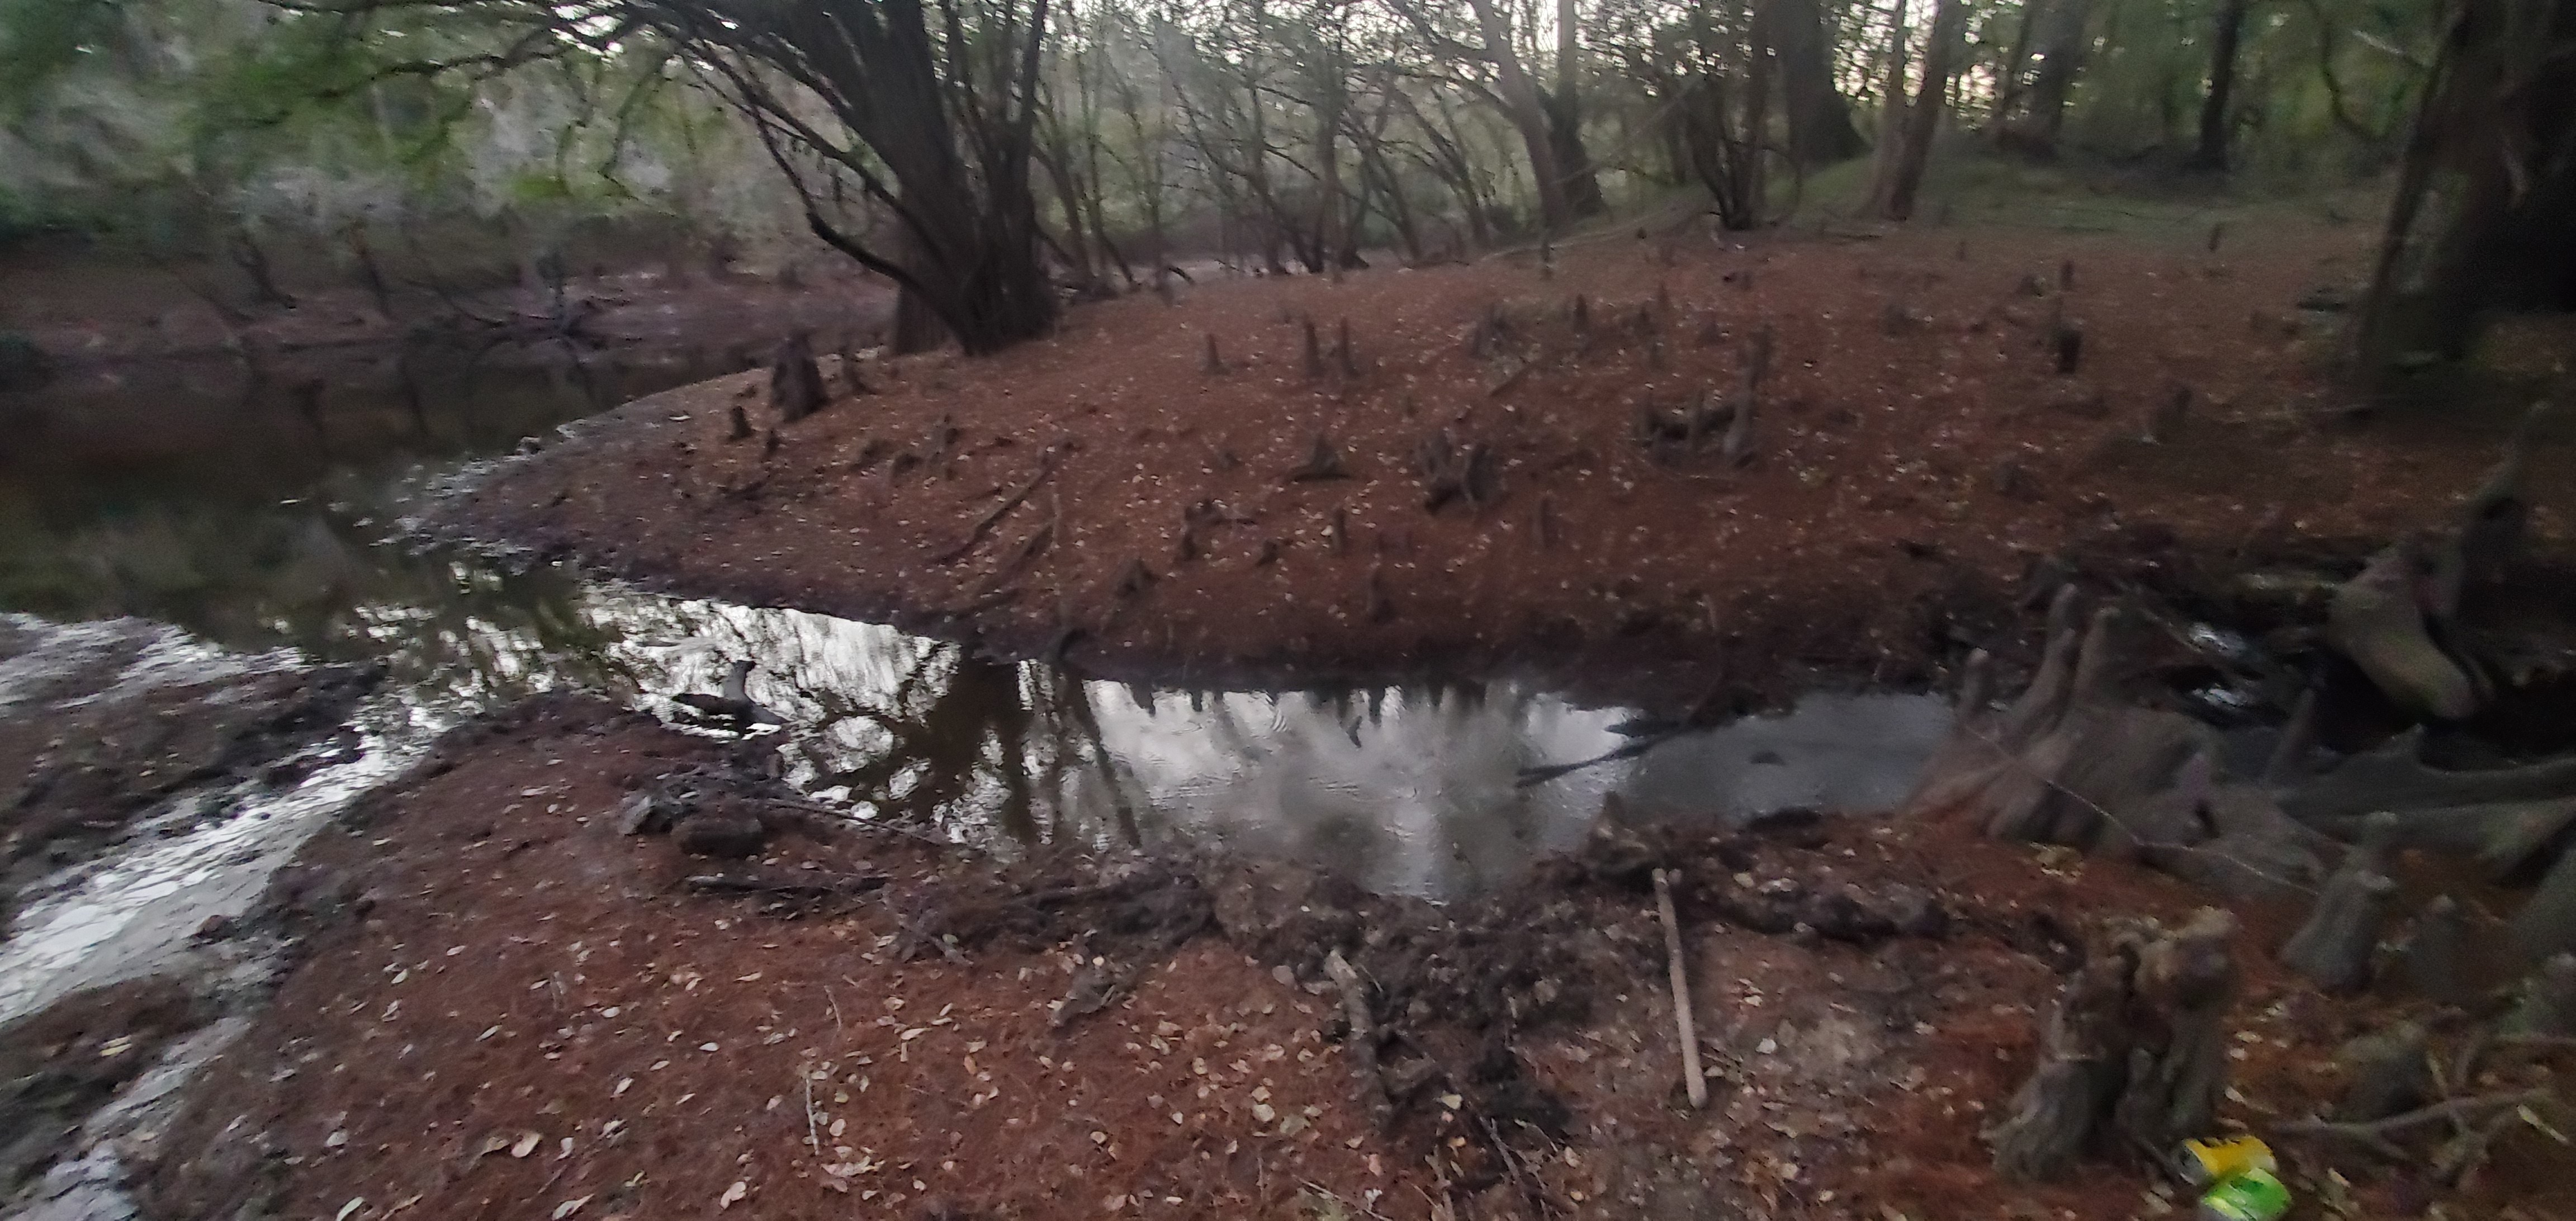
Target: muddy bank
[[506, 1005], [1112, 496], [82, 317], [106, 723]]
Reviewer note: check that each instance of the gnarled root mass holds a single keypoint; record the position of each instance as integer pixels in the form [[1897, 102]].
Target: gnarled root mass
[[2072, 762], [2135, 1049]]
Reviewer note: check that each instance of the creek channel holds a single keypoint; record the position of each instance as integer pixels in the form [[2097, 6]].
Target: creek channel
[[192, 521]]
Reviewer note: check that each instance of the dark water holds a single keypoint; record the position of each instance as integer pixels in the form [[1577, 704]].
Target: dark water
[[261, 522]]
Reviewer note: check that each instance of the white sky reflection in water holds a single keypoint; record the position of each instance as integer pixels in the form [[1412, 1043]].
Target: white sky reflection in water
[[1405, 789]]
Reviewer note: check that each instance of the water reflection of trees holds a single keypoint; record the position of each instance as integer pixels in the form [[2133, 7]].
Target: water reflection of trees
[[1407, 788]]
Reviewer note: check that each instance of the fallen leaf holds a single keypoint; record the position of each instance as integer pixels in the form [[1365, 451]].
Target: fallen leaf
[[355, 1203], [525, 1145], [733, 1195], [569, 1207]]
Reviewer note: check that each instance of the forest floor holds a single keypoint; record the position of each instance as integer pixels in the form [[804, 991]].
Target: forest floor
[[507, 1008], [1913, 454]]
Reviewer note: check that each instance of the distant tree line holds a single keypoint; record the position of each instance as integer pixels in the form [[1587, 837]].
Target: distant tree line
[[979, 153]]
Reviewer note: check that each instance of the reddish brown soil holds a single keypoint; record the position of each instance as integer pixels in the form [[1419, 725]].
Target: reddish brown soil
[[505, 1006], [1915, 452]]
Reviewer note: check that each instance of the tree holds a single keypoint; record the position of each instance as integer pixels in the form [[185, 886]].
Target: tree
[[935, 126], [1516, 91], [2228, 33], [1564, 107], [2060, 35], [1818, 118], [1923, 118], [2491, 144]]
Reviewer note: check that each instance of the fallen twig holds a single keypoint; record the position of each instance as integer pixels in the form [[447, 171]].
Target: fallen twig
[[1362, 1041], [1550, 771], [824, 885], [984, 525], [2375, 1134], [1693, 1082]]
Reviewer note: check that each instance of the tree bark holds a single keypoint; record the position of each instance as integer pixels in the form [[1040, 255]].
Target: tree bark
[[951, 149], [1891, 109], [1565, 119], [2214, 119], [1819, 119], [2009, 86], [2136, 1045], [1527, 110], [2063, 41], [1923, 119], [2497, 112]]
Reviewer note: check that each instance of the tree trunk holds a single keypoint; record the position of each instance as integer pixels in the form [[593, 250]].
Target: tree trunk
[[1923, 119], [1819, 119], [2500, 98], [1891, 109], [1527, 111], [2062, 48], [2212, 152], [2008, 82], [970, 235], [1565, 118], [1077, 245], [1330, 230]]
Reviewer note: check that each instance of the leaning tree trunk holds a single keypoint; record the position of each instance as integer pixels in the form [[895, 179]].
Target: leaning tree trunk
[[972, 243], [2491, 132], [2212, 151], [1524, 105], [1923, 119]]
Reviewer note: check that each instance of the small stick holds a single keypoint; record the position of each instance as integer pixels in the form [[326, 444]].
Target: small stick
[[813, 1137], [984, 525], [1362, 1040], [2376, 1133], [1692, 1079]]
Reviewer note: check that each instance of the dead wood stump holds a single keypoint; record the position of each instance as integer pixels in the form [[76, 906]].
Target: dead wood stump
[[2135, 1048], [2333, 949], [738, 427], [2437, 946], [1323, 461], [2164, 424], [795, 382], [2066, 343], [2385, 1073], [1450, 472]]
